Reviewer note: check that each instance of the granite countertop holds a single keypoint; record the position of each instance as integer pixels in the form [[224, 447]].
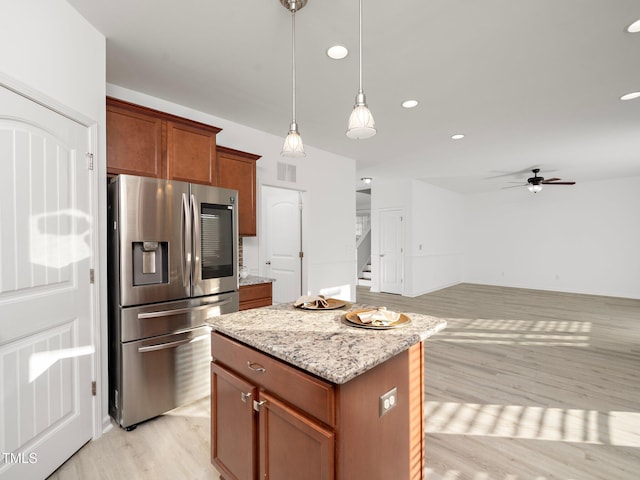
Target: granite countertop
[[318, 341], [255, 280]]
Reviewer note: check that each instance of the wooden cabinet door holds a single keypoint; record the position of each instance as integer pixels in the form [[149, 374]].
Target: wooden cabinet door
[[233, 425], [134, 142], [191, 153], [292, 445], [237, 170]]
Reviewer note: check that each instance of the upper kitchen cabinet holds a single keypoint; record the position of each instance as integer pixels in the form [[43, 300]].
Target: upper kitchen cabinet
[[237, 170], [134, 141], [150, 143], [191, 153]]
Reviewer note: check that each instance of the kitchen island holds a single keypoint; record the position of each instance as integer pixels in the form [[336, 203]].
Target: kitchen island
[[300, 394]]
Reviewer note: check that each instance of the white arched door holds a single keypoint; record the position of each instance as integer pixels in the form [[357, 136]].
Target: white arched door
[[46, 231], [282, 242]]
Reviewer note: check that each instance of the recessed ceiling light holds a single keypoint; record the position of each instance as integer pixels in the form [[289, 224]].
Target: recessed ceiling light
[[410, 103], [457, 136], [337, 52], [630, 96], [367, 180], [634, 27]]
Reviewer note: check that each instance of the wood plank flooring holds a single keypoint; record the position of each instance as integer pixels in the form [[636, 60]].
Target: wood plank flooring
[[522, 385], [526, 384]]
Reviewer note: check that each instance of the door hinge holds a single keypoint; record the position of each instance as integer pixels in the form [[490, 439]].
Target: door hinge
[[301, 254], [89, 161], [92, 276], [93, 388]]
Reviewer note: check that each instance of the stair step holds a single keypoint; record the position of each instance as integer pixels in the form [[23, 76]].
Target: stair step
[[366, 275]]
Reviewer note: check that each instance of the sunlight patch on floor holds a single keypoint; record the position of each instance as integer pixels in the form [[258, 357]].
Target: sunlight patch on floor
[[532, 422]]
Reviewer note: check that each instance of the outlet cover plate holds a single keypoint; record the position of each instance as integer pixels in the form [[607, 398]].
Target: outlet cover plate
[[388, 401]]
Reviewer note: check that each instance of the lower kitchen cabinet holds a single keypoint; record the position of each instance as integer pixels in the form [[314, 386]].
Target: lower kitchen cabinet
[[254, 296], [291, 444], [273, 421], [248, 424], [233, 427]]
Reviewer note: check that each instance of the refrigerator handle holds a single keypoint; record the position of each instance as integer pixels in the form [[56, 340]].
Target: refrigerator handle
[[177, 343], [180, 311], [195, 263], [186, 242]]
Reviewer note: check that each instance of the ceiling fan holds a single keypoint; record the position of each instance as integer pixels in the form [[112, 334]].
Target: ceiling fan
[[535, 183]]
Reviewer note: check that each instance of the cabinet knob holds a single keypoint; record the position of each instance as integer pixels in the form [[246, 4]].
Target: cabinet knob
[[245, 396], [257, 405], [256, 367]]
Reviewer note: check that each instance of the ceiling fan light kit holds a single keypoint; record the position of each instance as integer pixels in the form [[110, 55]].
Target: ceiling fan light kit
[[535, 183], [293, 146]]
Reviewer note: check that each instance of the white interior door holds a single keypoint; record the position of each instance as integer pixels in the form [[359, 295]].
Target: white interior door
[[391, 251], [282, 241], [45, 297]]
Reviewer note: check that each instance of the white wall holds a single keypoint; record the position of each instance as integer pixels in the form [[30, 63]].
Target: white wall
[[582, 239], [433, 234], [326, 179], [436, 242], [51, 53]]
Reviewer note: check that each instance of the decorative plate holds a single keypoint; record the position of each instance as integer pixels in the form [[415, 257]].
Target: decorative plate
[[351, 319], [333, 304]]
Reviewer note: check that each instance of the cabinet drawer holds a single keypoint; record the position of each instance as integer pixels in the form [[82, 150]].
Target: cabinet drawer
[[309, 394]]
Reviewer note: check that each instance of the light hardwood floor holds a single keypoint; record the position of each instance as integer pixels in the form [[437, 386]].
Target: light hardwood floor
[[522, 385]]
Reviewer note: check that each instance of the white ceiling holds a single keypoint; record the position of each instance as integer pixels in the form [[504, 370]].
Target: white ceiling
[[531, 83]]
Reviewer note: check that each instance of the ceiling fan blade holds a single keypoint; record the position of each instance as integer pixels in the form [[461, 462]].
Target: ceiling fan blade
[[514, 186], [547, 180], [559, 183]]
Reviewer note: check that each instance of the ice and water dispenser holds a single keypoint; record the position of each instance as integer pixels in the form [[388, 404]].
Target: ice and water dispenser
[[150, 263]]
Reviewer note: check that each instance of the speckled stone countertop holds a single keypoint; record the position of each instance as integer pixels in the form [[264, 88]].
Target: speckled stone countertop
[[255, 280], [318, 341]]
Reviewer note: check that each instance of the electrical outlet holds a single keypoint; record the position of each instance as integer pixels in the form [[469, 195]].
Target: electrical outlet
[[388, 401]]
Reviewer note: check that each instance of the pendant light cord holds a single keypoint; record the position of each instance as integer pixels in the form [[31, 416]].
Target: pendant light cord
[[293, 58], [360, 30]]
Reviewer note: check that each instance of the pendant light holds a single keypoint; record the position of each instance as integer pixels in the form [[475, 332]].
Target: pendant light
[[361, 124], [293, 146]]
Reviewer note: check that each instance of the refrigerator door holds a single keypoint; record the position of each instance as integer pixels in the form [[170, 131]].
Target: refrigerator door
[[214, 266], [163, 373], [150, 240]]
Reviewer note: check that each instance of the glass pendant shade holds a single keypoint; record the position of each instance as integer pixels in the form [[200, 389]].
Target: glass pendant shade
[[361, 123], [534, 188], [293, 146]]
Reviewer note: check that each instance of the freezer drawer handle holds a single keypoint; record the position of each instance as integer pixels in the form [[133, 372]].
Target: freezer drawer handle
[[164, 346], [256, 367], [177, 311]]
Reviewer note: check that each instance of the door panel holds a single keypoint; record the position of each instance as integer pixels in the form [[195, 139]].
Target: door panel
[[152, 219], [292, 445], [391, 255], [46, 242], [281, 232], [233, 426]]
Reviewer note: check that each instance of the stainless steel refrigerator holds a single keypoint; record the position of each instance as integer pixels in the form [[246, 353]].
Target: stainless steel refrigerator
[[173, 263]]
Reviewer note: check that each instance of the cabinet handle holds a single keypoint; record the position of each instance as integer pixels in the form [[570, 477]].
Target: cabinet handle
[[256, 367], [245, 396], [257, 405]]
